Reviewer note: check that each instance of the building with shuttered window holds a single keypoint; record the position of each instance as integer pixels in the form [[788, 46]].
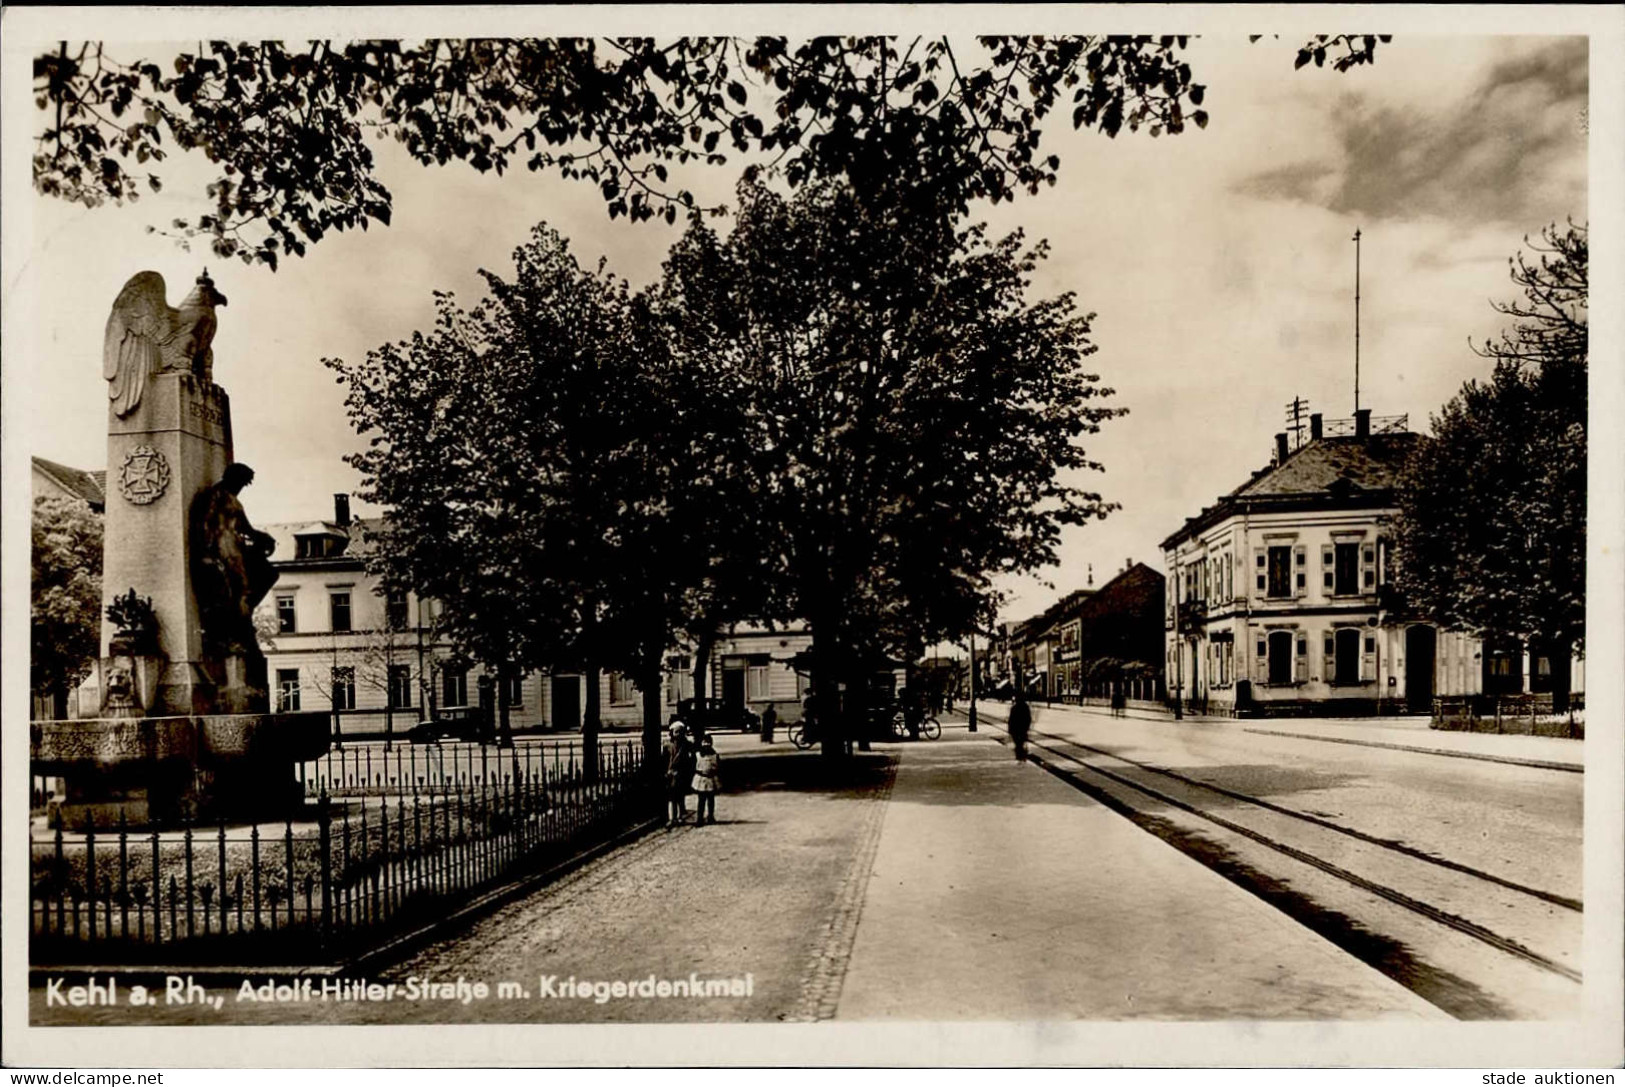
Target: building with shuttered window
[[1278, 599]]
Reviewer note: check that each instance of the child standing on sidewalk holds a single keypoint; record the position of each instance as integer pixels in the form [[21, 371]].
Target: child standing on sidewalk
[[707, 777]]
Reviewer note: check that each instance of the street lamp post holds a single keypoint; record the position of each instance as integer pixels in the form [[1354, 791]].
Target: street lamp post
[[973, 681]]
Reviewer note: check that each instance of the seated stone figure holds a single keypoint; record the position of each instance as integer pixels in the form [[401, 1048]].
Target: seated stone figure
[[231, 565]]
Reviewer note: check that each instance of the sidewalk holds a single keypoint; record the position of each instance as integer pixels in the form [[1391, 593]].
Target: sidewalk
[[1409, 733], [923, 881], [1000, 892]]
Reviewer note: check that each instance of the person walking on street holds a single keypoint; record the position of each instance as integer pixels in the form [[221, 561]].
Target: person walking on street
[[770, 721], [1119, 700], [707, 780], [1020, 723], [679, 770]]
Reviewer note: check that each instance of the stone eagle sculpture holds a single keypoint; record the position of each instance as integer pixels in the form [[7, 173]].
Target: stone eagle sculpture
[[146, 336]]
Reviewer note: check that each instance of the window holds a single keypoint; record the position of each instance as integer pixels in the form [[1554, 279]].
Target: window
[[287, 690], [1280, 571], [286, 619], [1347, 666], [395, 610], [756, 682], [454, 687], [1346, 580], [344, 688], [400, 686], [622, 691], [516, 691], [338, 606]]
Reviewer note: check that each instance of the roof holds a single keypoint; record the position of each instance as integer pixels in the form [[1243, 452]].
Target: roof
[[1330, 473], [90, 486], [285, 533], [1369, 464]]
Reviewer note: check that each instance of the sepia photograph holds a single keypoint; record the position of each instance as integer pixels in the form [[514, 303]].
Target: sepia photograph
[[805, 536]]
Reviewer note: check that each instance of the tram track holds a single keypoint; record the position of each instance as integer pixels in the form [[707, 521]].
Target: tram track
[[1469, 904]]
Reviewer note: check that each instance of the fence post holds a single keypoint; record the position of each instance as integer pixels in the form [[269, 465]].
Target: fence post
[[254, 873], [324, 827], [124, 873], [90, 872], [191, 929], [224, 881]]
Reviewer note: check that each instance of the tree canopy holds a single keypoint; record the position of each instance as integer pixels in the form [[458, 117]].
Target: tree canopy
[[65, 628], [1491, 537], [288, 124]]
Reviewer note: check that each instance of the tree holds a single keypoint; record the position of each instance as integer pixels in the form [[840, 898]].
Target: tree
[[1491, 535], [916, 415], [288, 126], [65, 629], [520, 450]]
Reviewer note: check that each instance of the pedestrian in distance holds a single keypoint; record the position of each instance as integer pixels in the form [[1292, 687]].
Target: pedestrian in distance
[[1020, 723], [707, 780], [679, 772], [770, 721], [1119, 700]]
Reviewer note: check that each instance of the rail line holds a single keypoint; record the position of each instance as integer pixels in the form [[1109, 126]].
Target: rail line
[[1042, 741]]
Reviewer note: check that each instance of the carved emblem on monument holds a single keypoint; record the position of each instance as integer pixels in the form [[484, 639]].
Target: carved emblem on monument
[[145, 336], [144, 476]]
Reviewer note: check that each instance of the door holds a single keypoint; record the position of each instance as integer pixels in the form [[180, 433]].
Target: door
[[733, 688], [567, 702], [1280, 657], [1421, 649], [1348, 656]]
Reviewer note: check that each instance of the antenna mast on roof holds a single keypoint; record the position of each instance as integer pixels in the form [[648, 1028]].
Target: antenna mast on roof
[[1295, 413], [1356, 320]]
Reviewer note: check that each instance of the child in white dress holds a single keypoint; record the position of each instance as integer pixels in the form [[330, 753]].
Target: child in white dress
[[707, 778]]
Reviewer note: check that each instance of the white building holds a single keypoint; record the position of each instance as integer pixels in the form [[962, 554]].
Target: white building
[[333, 641], [1279, 599]]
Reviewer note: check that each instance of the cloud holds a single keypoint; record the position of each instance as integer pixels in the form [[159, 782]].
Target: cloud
[[1302, 182], [1512, 150]]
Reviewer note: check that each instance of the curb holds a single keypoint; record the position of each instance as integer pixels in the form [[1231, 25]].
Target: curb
[[1539, 764]]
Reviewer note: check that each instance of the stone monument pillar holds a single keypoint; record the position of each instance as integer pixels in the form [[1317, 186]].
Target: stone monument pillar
[[168, 440]]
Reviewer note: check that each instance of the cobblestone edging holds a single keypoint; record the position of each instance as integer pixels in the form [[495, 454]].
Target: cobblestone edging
[[826, 969]]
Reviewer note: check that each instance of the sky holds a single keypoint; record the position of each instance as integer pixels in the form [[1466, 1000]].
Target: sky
[[1219, 264]]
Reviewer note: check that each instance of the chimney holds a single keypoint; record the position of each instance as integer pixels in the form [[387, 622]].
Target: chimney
[[1280, 449], [341, 510], [1362, 423], [1314, 427]]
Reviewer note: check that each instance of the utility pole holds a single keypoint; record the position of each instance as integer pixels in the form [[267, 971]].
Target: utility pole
[[1356, 320]]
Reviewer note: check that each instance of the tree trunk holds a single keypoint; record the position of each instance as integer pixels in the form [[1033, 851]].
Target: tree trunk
[[649, 685], [589, 725], [702, 662], [504, 718], [1562, 662]]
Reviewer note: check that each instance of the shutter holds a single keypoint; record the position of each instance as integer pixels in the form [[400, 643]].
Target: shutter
[[1368, 567], [1261, 662], [1368, 659], [1330, 654], [1328, 567], [1300, 571], [1300, 665], [1261, 569]]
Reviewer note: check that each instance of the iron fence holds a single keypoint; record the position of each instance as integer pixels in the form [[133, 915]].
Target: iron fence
[[345, 875], [402, 767]]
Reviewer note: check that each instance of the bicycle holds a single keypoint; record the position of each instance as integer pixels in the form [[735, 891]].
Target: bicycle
[[798, 736], [929, 727]]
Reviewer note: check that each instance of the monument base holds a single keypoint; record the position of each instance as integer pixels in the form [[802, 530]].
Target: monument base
[[166, 770]]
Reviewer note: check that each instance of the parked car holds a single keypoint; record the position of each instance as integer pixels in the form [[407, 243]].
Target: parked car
[[454, 724], [715, 715]]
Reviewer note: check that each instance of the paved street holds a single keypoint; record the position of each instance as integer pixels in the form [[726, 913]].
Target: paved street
[[936, 881], [1459, 877]]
